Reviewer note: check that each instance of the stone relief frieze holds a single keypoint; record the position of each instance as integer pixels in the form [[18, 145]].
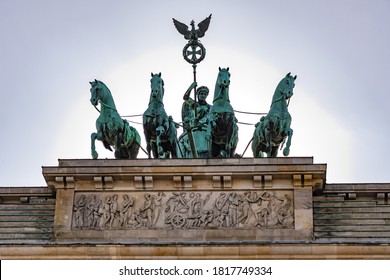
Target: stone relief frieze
[[183, 210]]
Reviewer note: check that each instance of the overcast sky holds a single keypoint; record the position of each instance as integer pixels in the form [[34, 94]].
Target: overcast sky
[[340, 50]]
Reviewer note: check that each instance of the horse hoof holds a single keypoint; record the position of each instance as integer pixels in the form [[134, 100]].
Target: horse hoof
[[223, 154], [286, 151], [95, 155]]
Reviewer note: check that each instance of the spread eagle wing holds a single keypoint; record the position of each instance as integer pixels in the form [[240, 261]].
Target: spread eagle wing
[[182, 28], [203, 26]]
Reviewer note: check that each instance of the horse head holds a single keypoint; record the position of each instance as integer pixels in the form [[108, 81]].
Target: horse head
[[95, 92], [286, 86], [221, 91], [100, 92], [157, 87], [223, 80]]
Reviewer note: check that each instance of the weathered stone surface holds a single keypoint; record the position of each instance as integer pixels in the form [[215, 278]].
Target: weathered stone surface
[[190, 199], [329, 221]]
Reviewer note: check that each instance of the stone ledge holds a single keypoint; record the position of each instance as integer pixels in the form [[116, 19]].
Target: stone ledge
[[185, 162], [206, 251], [88, 169], [22, 191], [357, 188]]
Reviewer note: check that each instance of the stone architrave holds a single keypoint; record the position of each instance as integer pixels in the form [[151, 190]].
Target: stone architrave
[[185, 200]]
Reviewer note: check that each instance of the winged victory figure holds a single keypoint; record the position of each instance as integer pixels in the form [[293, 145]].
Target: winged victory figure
[[192, 34]]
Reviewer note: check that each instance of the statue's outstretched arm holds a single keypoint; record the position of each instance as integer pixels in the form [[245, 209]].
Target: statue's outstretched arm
[[187, 94]]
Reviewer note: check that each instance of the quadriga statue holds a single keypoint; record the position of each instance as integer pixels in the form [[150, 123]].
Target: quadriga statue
[[274, 128], [112, 130]]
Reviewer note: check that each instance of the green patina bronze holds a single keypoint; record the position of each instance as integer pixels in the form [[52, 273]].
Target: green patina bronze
[[274, 128], [209, 131], [159, 129], [222, 128], [192, 34], [112, 130], [194, 52], [195, 124]]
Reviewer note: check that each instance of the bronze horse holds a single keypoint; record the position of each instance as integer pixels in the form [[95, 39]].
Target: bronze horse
[[159, 129], [274, 128], [223, 129], [112, 130]]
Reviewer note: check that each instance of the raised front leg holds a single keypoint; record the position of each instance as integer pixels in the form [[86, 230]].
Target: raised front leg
[[93, 148], [99, 136], [286, 150]]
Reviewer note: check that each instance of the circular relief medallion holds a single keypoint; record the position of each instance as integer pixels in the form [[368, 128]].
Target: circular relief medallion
[[194, 52]]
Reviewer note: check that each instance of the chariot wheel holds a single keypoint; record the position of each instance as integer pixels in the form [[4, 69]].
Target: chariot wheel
[[178, 220], [194, 52]]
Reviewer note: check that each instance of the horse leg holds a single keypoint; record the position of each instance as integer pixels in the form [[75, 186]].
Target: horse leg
[[148, 145], [96, 135], [160, 131], [267, 131], [258, 139], [149, 150], [268, 139], [118, 141], [93, 148], [234, 138], [133, 149], [133, 152], [229, 132], [172, 138], [160, 150], [274, 151], [286, 150], [174, 149]]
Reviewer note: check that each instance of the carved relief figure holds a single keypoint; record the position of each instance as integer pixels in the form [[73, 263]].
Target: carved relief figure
[[90, 211], [158, 206], [105, 212], [125, 213], [114, 212], [146, 211], [79, 211], [181, 210], [232, 210], [96, 213]]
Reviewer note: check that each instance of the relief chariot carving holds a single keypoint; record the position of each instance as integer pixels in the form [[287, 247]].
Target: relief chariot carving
[[184, 210]]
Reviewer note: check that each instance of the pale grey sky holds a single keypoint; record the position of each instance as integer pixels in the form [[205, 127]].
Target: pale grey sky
[[50, 50]]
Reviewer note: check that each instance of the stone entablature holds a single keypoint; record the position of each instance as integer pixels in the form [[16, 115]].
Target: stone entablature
[[329, 221], [184, 200]]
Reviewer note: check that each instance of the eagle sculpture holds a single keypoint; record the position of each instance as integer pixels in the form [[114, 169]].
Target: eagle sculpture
[[192, 34]]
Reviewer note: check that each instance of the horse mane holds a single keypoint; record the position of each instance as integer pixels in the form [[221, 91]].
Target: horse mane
[[105, 88], [279, 91]]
